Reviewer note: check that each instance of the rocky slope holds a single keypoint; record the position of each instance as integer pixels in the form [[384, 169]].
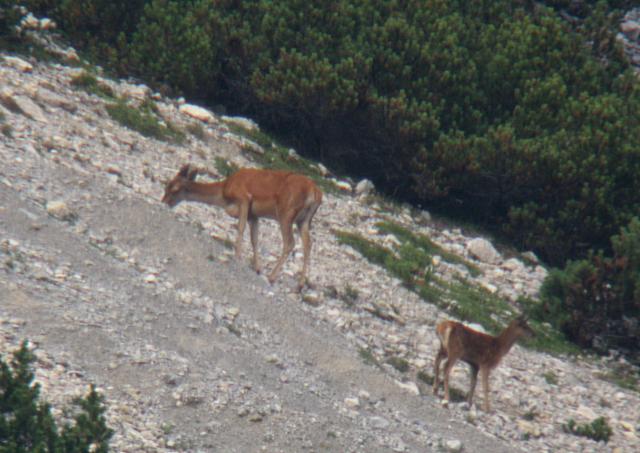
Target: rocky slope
[[194, 351]]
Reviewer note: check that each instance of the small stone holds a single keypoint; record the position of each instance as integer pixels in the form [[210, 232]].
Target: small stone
[[245, 123], [18, 63], [313, 298], [352, 403], [409, 386], [47, 24], [322, 169], [453, 445], [364, 187], [376, 422], [342, 185], [59, 210]]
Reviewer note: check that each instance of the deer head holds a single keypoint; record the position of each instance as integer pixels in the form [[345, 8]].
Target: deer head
[[175, 188], [521, 327]]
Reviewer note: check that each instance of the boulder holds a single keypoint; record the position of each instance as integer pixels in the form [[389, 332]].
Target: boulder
[[364, 187], [18, 63], [483, 250], [197, 112]]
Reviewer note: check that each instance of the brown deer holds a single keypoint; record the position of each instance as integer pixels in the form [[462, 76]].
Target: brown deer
[[250, 194], [481, 351]]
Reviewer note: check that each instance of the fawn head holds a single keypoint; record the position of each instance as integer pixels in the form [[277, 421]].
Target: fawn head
[[522, 328]]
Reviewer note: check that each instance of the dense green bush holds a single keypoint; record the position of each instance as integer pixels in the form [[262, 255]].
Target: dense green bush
[[9, 17], [177, 46], [598, 298], [26, 425]]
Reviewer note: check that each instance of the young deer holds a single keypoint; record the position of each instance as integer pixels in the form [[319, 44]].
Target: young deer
[[250, 194], [481, 351]]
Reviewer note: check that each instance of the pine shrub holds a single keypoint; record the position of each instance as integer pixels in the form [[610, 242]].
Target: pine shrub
[[26, 423]]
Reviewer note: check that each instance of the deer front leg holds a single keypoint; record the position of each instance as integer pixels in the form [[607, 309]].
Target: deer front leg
[[243, 215], [253, 230], [447, 371]]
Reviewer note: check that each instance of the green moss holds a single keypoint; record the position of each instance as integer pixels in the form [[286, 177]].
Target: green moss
[[143, 121], [89, 83]]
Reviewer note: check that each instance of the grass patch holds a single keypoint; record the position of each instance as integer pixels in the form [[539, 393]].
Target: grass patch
[[597, 430], [421, 241], [622, 375], [368, 357], [411, 263], [89, 83], [224, 167], [5, 128], [197, 131], [144, 121], [400, 364], [350, 295], [550, 377]]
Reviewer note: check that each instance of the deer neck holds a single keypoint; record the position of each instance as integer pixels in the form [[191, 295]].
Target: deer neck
[[507, 339], [206, 192]]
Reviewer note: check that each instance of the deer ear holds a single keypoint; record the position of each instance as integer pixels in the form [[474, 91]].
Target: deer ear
[[184, 171], [191, 175]]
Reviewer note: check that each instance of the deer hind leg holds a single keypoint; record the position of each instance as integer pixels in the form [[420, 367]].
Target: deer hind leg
[[253, 230], [286, 228], [447, 371], [436, 369], [474, 380], [304, 228], [484, 374]]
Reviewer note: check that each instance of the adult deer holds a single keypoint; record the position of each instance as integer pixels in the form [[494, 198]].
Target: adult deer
[[481, 351], [250, 194]]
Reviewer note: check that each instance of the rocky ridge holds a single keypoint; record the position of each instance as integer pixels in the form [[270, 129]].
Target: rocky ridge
[[58, 141]]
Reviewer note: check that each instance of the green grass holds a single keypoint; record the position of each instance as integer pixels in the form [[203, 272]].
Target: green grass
[[368, 357], [460, 298], [224, 167], [550, 377], [423, 242], [597, 430], [89, 83], [5, 128], [144, 121], [624, 376], [400, 364], [197, 131]]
